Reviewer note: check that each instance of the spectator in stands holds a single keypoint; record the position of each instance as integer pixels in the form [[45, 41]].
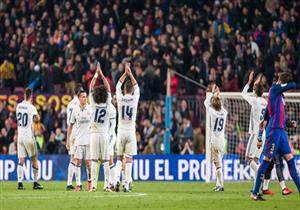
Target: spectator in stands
[[199, 141], [7, 74], [12, 149]]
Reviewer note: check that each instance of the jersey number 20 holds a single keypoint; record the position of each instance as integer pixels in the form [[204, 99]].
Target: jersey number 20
[[22, 119], [219, 124]]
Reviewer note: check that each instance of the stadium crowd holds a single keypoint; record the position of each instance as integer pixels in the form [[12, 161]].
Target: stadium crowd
[[51, 46]]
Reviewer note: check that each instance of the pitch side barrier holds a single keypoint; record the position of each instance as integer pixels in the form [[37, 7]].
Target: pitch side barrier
[[145, 168]]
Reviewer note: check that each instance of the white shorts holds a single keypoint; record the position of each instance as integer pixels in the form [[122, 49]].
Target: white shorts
[[126, 143], [82, 152], [99, 145], [217, 155], [252, 151], [112, 144], [27, 146]]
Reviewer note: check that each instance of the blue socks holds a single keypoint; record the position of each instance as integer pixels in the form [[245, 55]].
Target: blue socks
[[293, 172], [260, 176]]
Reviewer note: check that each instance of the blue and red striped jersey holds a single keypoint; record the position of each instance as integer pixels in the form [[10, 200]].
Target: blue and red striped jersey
[[276, 104]]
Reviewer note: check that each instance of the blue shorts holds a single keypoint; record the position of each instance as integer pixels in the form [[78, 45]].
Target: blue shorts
[[276, 143]]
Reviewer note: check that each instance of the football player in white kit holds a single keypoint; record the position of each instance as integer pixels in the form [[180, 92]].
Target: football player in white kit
[[112, 142], [26, 115], [126, 138], [70, 147], [80, 122], [100, 100], [217, 119], [258, 108]]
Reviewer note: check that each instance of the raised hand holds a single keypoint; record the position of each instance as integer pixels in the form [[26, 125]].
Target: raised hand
[[251, 75], [128, 69], [217, 90], [258, 79], [213, 88], [99, 70]]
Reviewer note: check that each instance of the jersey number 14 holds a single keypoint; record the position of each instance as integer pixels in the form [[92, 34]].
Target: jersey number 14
[[127, 111]]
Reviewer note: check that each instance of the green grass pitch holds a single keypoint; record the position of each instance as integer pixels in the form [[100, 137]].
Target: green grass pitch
[[146, 195]]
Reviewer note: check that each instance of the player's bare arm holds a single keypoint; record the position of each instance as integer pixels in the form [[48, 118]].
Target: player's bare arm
[[129, 73], [93, 81], [123, 77], [251, 75], [105, 82], [69, 131]]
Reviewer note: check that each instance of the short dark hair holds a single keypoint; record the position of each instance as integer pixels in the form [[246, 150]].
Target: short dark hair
[[78, 88], [285, 77], [28, 93], [258, 89], [128, 86], [216, 103], [80, 91], [100, 94]]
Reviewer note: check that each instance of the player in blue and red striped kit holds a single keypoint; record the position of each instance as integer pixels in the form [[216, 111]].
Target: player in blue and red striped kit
[[276, 137]]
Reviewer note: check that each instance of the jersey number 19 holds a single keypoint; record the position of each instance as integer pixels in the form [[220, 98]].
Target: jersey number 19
[[219, 124]]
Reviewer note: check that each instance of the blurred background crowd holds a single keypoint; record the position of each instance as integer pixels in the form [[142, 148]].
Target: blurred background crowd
[[52, 45]]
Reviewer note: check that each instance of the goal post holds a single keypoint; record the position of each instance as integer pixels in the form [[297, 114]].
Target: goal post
[[236, 135]]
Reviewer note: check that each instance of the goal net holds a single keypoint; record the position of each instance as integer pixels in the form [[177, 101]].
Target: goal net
[[236, 136]]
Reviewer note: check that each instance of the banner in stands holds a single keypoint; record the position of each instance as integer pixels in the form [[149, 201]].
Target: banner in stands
[[145, 168], [41, 101]]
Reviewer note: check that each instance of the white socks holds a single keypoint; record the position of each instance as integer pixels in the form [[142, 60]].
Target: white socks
[[123, 177], [282, 185], [93, 174], [220, 177], [78, 175], [266, 184], [35, 172], [71, 169], [112, 174], [20, 173], [118, 170], [106, 173], [254, 166], [267, 181], [128, 171]]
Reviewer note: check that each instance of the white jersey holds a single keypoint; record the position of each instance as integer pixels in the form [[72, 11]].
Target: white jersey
[[71, 106], [217, 120], [127, 107], [112, 120], [25, 112], [258, 108], [80, 119], [100, 114]]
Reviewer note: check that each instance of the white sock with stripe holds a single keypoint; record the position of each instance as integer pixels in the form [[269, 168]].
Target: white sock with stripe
[[118, 170], [20, 173]]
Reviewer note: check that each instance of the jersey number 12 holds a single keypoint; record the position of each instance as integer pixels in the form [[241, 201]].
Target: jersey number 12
[[100, 113]]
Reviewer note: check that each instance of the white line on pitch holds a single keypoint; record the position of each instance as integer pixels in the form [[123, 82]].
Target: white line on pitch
[[93, 196]]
